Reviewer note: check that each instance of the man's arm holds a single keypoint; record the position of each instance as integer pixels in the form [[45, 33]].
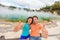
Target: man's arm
[[44, 31]]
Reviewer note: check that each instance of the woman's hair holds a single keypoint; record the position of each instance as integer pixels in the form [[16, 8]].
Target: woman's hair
[[29, 18]]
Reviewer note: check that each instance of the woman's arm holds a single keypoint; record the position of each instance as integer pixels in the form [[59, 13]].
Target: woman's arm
[[18, 27]]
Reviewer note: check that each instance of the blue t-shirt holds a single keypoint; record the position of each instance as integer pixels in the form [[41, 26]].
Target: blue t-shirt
[[26, 29]]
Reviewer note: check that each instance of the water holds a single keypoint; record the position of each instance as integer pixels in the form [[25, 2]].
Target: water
[[18, 14]]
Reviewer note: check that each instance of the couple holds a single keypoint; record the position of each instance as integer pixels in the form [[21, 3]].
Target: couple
[[31, 23]]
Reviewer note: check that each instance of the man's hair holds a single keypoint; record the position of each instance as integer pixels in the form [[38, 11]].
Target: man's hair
[[35, 16]]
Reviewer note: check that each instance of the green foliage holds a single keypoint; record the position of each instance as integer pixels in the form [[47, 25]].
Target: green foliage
[[47, 19], [12, 7], [2, 5], [15, 19], [53, 8]]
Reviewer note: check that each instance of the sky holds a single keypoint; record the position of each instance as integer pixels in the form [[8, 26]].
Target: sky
[[32, 4]]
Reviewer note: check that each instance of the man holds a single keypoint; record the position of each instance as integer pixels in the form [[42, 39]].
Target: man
[[36, 28]]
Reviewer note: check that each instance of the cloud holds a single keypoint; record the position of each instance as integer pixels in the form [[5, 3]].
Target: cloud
[[32, 4], [4, 2], [48, 2]]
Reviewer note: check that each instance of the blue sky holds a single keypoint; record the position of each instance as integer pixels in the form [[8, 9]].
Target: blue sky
[[32, 4]]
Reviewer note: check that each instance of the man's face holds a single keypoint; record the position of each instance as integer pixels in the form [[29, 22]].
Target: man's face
[[35, 20]]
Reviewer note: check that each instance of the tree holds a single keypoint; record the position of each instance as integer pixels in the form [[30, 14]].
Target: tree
[[12, 7], [2, 5], [52, 8]]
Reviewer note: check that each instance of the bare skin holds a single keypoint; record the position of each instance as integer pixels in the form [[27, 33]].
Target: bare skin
[[20, 26], [37, 28]]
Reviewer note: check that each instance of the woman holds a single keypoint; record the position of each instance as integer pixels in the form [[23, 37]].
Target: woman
[[26, 29]]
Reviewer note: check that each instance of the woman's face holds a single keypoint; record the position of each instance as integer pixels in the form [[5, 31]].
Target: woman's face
[[29, 20]]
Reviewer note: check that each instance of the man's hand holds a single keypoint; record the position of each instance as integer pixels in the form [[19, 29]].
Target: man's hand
[[45, 34]]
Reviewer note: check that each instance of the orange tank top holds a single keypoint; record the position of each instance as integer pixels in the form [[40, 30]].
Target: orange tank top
[[35, 29]]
